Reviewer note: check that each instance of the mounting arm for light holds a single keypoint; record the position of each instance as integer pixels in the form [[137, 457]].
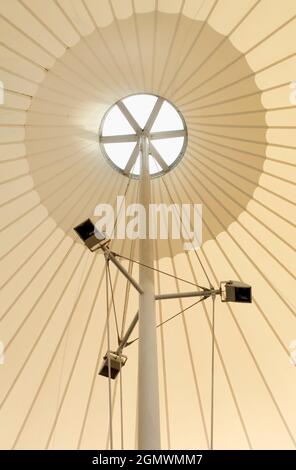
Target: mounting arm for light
[[95, 240], [230, 291]]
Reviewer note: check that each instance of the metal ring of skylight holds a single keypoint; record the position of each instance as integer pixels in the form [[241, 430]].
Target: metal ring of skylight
[[143, 114]]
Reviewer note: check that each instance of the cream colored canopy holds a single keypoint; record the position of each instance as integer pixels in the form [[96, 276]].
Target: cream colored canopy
[[228, 66]]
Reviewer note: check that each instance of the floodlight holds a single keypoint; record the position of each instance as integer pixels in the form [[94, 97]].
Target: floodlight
[[235, 291], [116, 363], [91, 237]]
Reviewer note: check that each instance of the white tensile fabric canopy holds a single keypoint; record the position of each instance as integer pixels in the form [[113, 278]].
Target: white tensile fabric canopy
[[230, 68]]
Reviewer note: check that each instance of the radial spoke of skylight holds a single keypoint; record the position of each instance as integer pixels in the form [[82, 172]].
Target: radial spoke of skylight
[[128, 116], [120, 153], [169, 149], [132, 160], [168, 119], [167, 134], [137, 167], [154, 114], [116, 123], [154, 167], [140, 106], [118, 139], [158, 158]]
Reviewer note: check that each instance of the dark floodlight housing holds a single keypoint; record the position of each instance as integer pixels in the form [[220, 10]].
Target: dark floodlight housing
[[91, 237], [116, 363], [235, 291]]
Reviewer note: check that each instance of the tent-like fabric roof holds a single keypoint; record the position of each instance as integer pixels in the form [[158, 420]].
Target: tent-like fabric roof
[[229, 67]]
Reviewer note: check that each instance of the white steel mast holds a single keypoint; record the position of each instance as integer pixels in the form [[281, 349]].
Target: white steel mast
[[148, 390]]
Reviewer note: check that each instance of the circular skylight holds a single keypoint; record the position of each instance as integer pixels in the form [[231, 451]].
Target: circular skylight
[[149, 115]]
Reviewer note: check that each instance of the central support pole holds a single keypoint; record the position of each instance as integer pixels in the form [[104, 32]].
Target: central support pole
[[148, 412]]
